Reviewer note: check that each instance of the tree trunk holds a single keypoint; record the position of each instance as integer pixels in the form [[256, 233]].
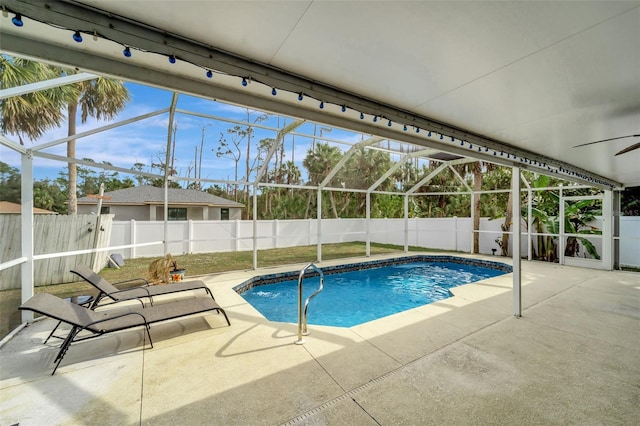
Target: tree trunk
[[504, 245], [477, 186], [71, 153], [247, 167], [333, 205]]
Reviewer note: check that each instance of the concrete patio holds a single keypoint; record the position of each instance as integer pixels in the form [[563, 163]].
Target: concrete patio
[[573, 358]]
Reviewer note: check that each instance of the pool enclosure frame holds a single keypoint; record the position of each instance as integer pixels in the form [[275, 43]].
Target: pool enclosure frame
[[27, 259], [265, 79]]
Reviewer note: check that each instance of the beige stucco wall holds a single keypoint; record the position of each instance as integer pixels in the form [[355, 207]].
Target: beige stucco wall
[[155, 212]]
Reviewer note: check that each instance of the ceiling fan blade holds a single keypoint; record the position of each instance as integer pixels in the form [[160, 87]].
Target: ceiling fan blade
[[629, 148], [606, 140]]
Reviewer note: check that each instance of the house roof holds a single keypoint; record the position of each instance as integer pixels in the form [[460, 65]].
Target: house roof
[[7, 207], [147, 194]]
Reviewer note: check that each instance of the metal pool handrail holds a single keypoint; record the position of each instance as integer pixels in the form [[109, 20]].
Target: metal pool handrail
[[302, 313]]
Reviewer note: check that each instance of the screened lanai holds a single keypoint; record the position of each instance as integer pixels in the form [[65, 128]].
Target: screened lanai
[[525, 105]]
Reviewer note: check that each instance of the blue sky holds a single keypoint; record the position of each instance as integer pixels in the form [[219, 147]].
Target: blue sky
[[145, 141]]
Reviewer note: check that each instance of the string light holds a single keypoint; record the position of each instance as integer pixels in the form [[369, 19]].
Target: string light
[[17, 20], [77, 37]]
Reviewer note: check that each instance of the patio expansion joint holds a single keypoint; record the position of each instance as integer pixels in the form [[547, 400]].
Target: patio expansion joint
[[353, 392]]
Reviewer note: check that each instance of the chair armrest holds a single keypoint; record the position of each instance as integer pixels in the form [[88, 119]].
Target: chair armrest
[[145, 281], [116, 317], [142, 289]]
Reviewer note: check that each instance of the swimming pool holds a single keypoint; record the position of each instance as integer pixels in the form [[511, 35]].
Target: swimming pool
[[358, 293]]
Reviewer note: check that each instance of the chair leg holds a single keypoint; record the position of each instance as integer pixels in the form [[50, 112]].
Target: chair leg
[[52, 331], [148, 328], [220, 310], [64, 348], [210, 293]]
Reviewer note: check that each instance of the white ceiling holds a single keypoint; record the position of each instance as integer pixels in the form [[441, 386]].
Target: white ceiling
[[539, 76]]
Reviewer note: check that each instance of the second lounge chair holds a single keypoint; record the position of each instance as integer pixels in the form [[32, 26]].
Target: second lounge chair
[[108, 290]]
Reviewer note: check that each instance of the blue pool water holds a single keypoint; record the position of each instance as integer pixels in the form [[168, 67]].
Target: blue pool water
[[355, 297]]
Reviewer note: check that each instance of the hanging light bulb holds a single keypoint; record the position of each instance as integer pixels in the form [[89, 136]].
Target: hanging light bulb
[[343, 108], [404, 127], [321, 104], [209, 74], [389, 123], [417, 129], [441, 137], [470, 146], [126, 52], [273, 91], [244, 82], [77, 37], [361, 116], [429, 134], [375, 118], [453, 139], [461, 143], [172, 59], [17, 20], [300, 97]]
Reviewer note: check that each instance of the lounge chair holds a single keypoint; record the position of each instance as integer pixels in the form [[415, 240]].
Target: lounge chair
[[108, 321], [107, 290]]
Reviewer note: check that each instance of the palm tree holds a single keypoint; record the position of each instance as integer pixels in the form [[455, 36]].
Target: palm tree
[[34, 114], [319, 161], [102, 99]]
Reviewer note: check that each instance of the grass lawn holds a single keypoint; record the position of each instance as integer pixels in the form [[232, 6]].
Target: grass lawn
[[195, 264]]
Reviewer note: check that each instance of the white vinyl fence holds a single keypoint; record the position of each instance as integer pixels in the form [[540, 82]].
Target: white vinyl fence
[[224, 236]]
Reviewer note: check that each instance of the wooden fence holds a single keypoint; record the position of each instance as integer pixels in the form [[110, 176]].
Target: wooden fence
[[54, 234]]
